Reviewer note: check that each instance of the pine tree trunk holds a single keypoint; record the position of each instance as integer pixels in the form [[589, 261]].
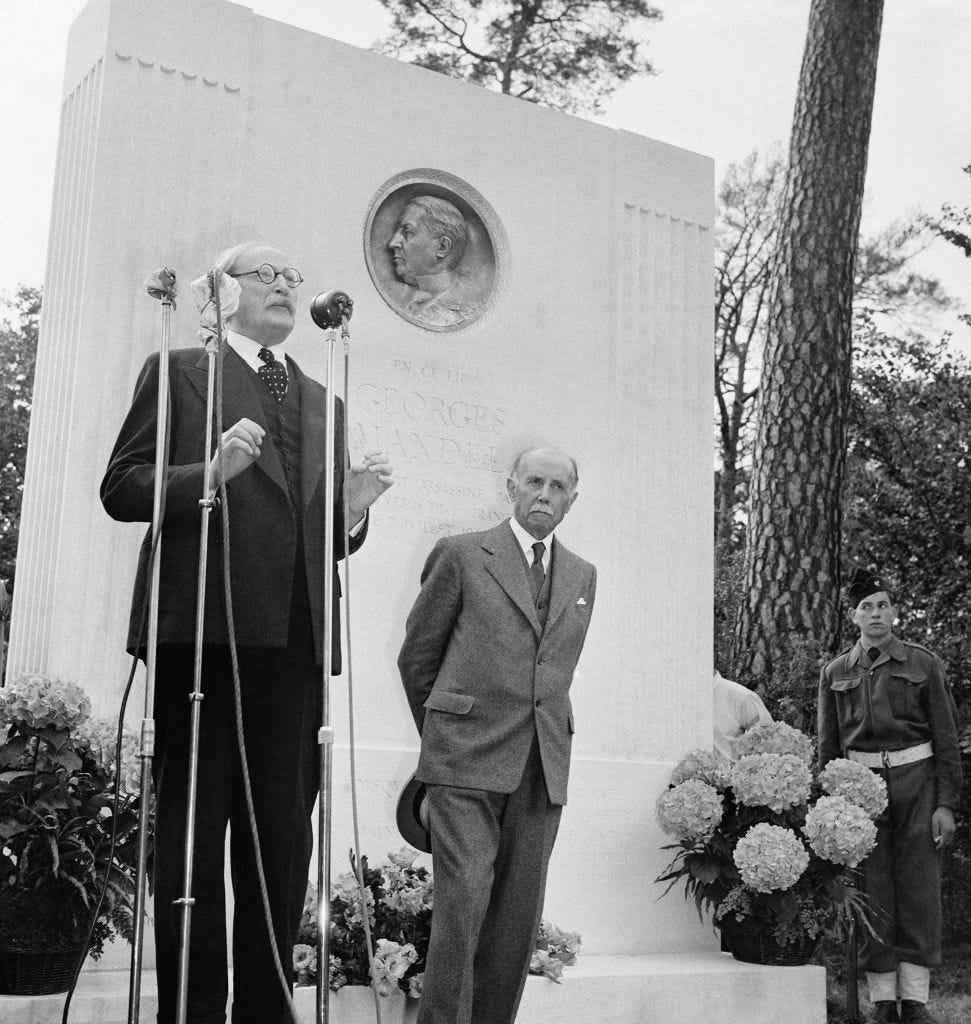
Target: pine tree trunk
[[791, 575]]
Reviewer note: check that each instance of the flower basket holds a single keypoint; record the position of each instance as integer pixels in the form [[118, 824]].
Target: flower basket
[[37, 972], [753, 943], [768, 845]]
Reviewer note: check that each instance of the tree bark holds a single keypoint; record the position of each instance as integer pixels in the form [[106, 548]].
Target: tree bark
[[791, 575]]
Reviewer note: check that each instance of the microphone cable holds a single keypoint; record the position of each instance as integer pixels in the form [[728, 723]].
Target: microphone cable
[[146, 791], [358, 869]]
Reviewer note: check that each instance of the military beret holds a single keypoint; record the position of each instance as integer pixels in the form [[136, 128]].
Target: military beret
[[863, 584]]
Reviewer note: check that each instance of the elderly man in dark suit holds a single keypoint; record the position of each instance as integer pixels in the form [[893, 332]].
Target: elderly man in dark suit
[[272, 457], [490, 649]]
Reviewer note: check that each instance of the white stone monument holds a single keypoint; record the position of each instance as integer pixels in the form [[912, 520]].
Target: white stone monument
[[189, 126]]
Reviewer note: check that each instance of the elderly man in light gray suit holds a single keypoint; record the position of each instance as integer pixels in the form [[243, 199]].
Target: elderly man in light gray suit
[[490, 649]]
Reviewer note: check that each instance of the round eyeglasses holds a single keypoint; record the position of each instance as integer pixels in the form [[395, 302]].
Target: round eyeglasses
[[267, 273]]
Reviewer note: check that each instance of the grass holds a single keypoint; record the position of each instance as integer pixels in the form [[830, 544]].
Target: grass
[[950, 1000]]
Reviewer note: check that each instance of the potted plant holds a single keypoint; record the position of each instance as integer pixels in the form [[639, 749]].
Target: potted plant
[[768, 846], [56, 814], [399, 897]]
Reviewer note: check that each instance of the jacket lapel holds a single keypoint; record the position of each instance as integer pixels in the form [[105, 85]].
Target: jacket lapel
[[506, 566], [566, 582], [313, 434], [241, 400]]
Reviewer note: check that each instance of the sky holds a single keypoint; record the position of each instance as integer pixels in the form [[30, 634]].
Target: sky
[[725, 84]]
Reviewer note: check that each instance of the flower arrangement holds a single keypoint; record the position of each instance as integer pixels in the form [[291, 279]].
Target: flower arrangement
[[56, 776], [399, 897], [765, 841]]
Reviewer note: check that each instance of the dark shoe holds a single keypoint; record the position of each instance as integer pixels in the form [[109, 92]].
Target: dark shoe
[[913, 1012], [885, 1012]]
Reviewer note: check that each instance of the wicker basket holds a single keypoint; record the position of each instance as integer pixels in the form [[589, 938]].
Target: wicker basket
[[37, 972], [752, 943]]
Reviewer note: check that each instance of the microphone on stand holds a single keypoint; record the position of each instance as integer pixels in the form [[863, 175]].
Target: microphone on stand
[[331, 309]]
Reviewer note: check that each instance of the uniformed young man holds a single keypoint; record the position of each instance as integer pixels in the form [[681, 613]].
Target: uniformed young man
[[886, 704]]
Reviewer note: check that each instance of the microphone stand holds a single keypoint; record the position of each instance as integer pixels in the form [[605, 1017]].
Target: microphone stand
[[329, 312], [206, 503], [160, 286]]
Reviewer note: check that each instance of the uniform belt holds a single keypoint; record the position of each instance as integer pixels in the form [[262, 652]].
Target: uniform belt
[[891, 758]]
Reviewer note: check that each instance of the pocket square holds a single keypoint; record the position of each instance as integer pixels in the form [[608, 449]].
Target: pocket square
[[580, 600]]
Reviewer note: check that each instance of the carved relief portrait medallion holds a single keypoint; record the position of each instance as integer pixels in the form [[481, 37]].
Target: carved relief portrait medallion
[[435, 249]]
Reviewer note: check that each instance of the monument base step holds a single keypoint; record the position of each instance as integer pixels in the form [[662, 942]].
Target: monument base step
[[669, 988]]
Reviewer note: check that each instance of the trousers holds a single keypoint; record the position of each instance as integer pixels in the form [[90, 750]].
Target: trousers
[[902, 875], [490, 853], [281, 714]]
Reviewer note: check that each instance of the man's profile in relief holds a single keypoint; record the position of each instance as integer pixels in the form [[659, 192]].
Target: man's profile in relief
[[427, 247]]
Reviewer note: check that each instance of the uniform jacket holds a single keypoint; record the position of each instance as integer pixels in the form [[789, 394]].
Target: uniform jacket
[[263, 519], [480, 672], [900, 701]]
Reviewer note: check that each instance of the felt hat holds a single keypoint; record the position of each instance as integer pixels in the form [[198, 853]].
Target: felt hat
[[863, 584], [408, 815]]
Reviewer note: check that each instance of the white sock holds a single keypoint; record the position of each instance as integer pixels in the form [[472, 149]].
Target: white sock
[[882, 987], [915, 982]]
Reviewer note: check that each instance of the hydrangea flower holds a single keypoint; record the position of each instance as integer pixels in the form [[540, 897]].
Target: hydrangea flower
[[99, 736], [391, 963], [704, 765], [347, 890], [770, 857], [846, 778], [776, 781], [775, 738], [690, 810], [839, 831], [39, 702], [542, 962], [405, 858], [405, 899], [304, 959]]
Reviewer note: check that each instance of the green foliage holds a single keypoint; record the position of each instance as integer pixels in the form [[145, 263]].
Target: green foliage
[[56, 817], [568, 54], [18, 350], [399, 910], [908, 507]]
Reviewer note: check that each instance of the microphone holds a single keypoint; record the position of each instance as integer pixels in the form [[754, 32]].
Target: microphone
[[331, 309], [161, 284]]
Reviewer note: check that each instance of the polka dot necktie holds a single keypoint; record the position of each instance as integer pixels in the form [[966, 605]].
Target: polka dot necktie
[[536, 574], [274, 374]]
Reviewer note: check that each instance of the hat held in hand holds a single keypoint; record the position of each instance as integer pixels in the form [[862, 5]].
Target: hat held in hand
[[412, 816]]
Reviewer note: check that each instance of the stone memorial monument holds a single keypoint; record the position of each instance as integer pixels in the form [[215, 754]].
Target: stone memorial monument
[[519, 277]]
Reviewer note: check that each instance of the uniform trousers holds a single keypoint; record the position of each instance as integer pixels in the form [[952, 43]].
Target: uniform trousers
[[490, 853], [281, 715], [902, 876]]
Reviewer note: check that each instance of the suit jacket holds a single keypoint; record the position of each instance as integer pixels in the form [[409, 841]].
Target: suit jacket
[[263, 520], [480, 672]]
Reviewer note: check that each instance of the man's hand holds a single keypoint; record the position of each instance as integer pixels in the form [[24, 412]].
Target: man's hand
[[240, 449], [366, 482], [942, 826]]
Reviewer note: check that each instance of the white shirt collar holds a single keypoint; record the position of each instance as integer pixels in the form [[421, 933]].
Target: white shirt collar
[[526, 541], [248, 350]]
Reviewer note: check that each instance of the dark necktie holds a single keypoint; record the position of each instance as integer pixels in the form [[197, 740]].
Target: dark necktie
[[873, 653], [274, 374], [536, 574]]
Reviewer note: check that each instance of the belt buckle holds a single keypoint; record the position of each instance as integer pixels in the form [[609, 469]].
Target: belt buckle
[[885, 757]]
